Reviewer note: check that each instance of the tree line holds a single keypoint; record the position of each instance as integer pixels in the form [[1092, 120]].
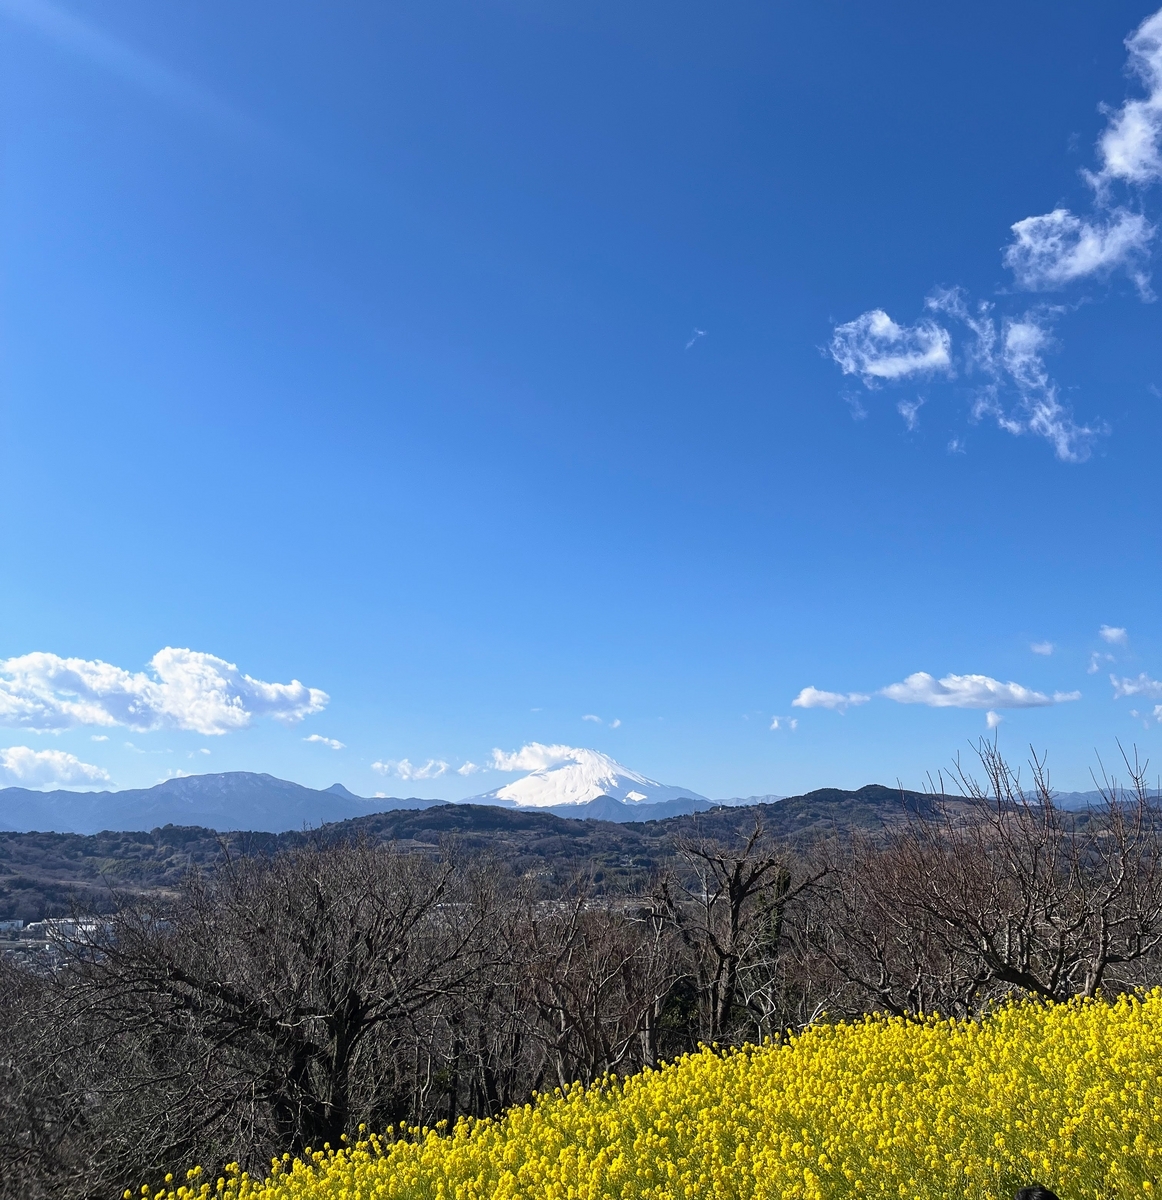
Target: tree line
[[277, 1003]]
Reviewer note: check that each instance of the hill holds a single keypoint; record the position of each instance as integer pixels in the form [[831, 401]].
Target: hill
[[47, 873]]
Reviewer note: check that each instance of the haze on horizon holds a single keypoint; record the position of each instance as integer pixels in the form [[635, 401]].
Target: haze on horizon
[[764, 398]]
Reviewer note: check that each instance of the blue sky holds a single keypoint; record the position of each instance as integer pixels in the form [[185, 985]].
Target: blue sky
[[483, 368]]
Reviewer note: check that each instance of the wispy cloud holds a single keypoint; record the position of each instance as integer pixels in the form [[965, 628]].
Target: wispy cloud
[[910, 411], [21, 765], [1044, 648], [184, 689], [1006, 360], [951, 691], [1048, 252], [591, 717], [1142, 686], [1057, 248], [784, 723], [813, 697], [405, 769], [325, 741], [1114, 634], [1006, 357], [698, 333], [468, 768], [877, 350], [969, 691], [130, 66]]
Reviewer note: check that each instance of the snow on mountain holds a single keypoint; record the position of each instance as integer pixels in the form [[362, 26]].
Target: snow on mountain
[[571, 775]]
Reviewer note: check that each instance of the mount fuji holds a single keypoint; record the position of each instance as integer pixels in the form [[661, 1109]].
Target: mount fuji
[[564, 777]]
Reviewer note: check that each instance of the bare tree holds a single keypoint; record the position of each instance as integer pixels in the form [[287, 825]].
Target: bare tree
[[1002, 891], [595, 974], [268, 1008], [730, 913]]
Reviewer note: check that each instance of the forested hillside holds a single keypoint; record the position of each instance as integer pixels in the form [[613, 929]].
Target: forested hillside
[[50, 874]]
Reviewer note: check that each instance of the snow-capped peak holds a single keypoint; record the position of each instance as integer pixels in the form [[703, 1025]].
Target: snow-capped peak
[[572, 775]]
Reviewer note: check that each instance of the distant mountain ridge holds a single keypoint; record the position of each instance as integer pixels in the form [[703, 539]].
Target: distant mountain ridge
[[231, 800], [245, 800], [45, 873]]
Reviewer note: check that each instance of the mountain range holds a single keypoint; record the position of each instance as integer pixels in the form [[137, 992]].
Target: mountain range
[[227, 801], [570, 782], [49, 874], [589, 786]]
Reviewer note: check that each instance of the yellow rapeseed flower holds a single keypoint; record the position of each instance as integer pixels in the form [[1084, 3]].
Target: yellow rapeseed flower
[[1070, 1095]]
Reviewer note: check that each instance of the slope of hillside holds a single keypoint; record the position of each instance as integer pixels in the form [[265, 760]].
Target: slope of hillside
[[46, 873]]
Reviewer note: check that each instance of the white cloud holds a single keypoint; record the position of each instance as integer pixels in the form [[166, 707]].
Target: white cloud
[[614, 724], [1142, 686], [1058, 247], [99, 737], [405, 769], [876, 349], [323, 741], [981, 352], [187, 689], [1007, 357], [783, 723], [1096, 658], [1048, 251], [534, 756], [1045, 648], [1010, 358], [1055, 249], [1114, 634], [1039, 411], [698, 333], [968, 691], [910, 411], [22, 765], [992, 719], [469, 768], [1129, 147], [812, 697]]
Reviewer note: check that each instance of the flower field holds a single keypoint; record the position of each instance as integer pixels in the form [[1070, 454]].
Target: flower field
[[1069, 1096]]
